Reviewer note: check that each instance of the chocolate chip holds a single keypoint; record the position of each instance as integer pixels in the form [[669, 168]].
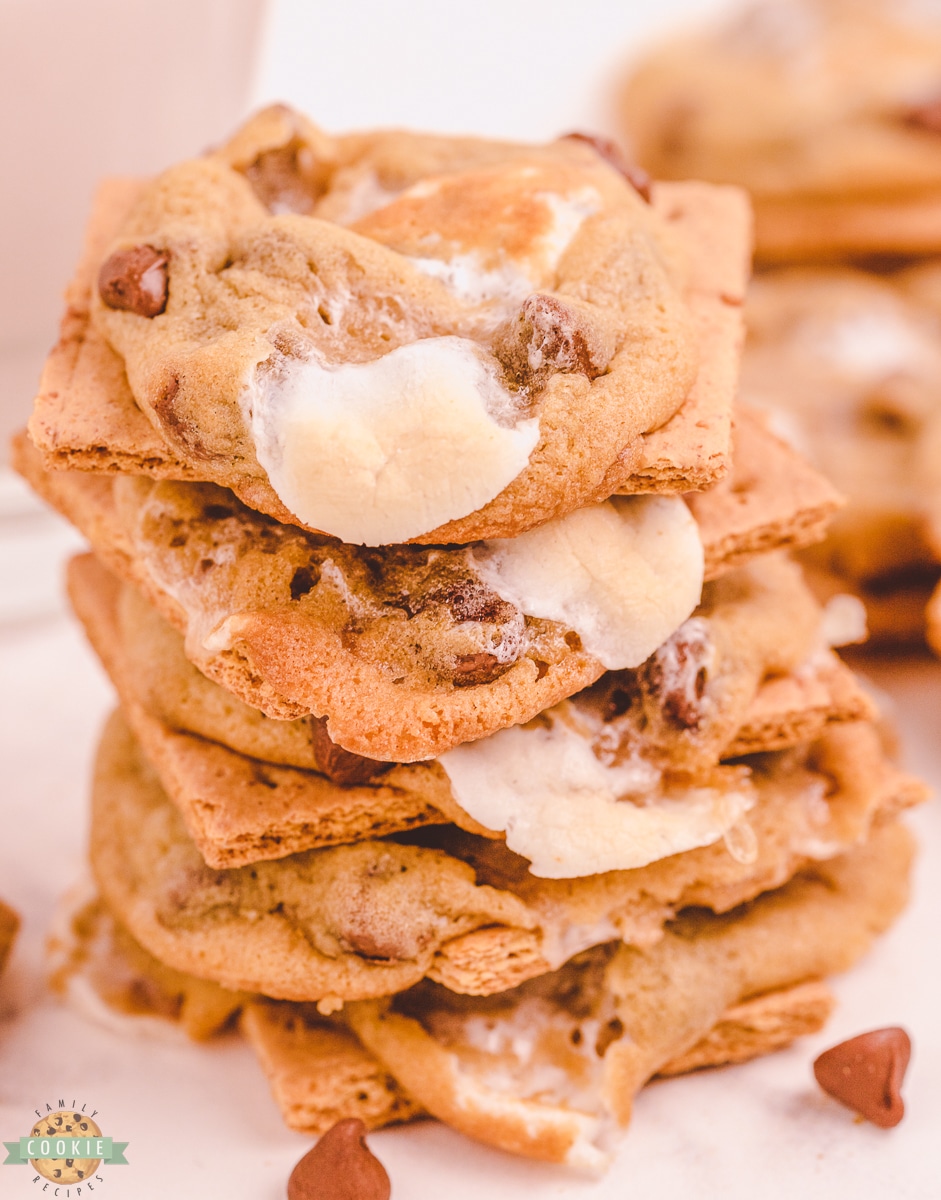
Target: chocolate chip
[[866, 1073], [287, 179], [135, 280], [303, 580], [467, 600], [473, 669], [926, 116], [339, 765], [340, 1167], [607, 1035], [548, 336], [612, 153], [676, 675]]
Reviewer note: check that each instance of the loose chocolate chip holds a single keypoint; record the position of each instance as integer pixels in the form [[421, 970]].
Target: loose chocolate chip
[[866, 1073], [340, 1167], [339, 765], [677, 674], [548, 336], [925, 116], [135, 280], [612, 153]]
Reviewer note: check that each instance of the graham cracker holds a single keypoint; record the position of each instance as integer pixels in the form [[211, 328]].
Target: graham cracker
[[373, 918], [772, 498], [319, 1073], [758, 1026], [637, 1011], [240, 808], [287, 665], [85, 416]]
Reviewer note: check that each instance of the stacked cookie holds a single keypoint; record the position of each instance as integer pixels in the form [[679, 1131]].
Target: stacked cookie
[[482, 772], [829, 112]]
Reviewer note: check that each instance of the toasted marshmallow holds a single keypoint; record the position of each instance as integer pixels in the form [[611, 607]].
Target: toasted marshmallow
[[379, 452], [571, 814], [624, 574]]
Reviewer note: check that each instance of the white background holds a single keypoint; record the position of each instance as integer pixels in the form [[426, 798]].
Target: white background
[[518, 68]]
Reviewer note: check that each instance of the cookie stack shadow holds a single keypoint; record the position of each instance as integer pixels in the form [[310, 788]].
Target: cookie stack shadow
[[315, 812]]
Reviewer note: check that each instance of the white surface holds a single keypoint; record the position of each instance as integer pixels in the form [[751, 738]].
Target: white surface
[[507, 68], [762, 1130]]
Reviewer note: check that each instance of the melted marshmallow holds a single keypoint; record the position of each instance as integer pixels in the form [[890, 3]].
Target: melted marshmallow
[[508, 283], [624, 574], [376, 453], [563, 809]]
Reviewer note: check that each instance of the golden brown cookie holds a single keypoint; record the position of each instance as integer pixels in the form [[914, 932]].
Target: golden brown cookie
[[250, 788], [212, 567], [374, 917], [825, 110], [551, 1070], [86, 416], [319, 1072], [104, 972], [848, 365]]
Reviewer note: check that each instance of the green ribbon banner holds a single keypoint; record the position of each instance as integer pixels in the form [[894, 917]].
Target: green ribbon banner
[[58, 1148]]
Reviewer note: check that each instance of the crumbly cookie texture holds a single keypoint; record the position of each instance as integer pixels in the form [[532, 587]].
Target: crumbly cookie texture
[[729, 685], [318, 1071], [103, 972], [785, 695], [375, 917], [9, 924], [403, 650], [551, 1070], [863, 371], [476, 316], [86, 414]]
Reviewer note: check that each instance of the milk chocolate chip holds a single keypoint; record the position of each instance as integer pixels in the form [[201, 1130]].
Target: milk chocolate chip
[[339, 765], [287, 179], [677, 673], [135, 280], [611, 152], [340, 1167], [550, 335], [866, 1073]]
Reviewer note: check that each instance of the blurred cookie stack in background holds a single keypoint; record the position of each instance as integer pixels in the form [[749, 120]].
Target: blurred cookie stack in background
[[829, 113], [479, 744]]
